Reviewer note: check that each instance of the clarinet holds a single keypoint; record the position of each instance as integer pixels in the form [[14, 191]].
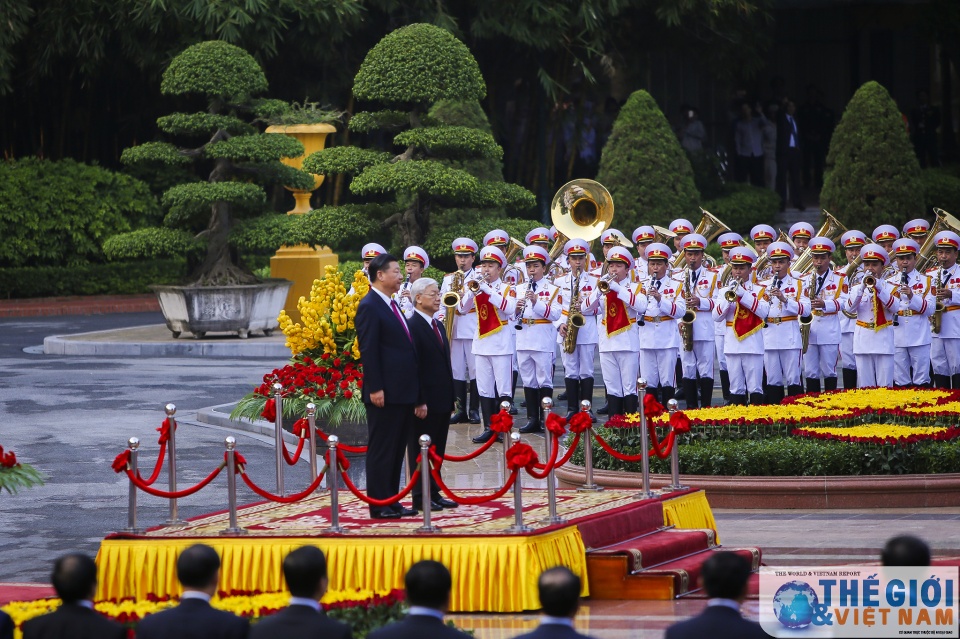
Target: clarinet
[[903, 282], [519, 318]]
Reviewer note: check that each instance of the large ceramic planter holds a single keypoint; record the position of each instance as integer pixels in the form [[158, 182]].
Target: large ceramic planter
[[239, 309], [313, 137]]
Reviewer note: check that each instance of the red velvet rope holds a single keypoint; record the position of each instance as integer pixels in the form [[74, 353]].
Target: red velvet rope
[[289, 499], [613, 453], [567, 455], [550, 465], [296, 455], [668, 442], [347, 448], [655, 450], [462, 458], [389, 501], [177, 494], [472, 501], [156, 469]]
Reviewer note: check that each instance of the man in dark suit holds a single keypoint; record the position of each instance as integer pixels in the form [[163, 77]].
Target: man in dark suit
[[305, 570], [391, 393], [6, 626], [436, 383], [428, 586], [198, 569], [75, 580], [559, 591], [724, 576], [789, 159]]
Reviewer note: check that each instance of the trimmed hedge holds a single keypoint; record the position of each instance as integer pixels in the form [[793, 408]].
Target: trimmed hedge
[[743, 206], [116, 278], [941, 188]]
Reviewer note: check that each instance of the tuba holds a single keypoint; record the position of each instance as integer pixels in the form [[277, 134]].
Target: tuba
[[709, 227], [927, 256], [581, 209], [831, 228], [514, 249]]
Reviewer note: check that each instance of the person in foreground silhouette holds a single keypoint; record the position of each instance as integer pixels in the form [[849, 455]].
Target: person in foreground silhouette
[[559, 591], [428, 586]]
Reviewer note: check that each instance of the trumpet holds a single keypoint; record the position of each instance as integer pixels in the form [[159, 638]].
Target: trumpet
[[869, 283], [731, 293], [473, 285], [604, 284]]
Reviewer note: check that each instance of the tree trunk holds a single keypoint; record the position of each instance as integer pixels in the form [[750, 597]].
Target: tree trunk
[[414, 222]]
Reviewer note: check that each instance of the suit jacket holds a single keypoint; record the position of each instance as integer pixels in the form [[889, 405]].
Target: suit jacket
[[783, 132], [418, 627], [552, 631], [193, 619], [389, 357], [300, 622], [435, 372], [71, 621], [716, 622], [6, 626]]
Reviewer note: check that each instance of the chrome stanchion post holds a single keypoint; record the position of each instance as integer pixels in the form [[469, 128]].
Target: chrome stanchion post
[[233, 528], [427, 527], [590, 485], [278, 435], [517, 526], [506, 442], [312, 425], [174, 518], [333, 479], [552, 517], [645, 492], [133, 445], [675, 484]]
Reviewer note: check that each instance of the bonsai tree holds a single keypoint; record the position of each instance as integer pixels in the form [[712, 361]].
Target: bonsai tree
[[872, 175], [237, 158], [645, 168], [408, 71]]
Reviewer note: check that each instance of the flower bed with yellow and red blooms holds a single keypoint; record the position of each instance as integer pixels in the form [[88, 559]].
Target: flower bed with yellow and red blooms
[[15, 475], [880, 433], [363, 610]]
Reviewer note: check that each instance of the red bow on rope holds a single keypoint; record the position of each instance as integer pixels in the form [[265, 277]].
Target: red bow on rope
[[521, 455], [501, 422], [580, 422], [556, 424], [651, 407]]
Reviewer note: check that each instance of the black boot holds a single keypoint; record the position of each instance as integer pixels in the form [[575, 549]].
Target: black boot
[[586, 393], [681, 392], [813, 384], [956, 381], [655, 392], [690, 392], [666, 394], [605, 409], [706, 392], [849, 378], [473, 414], [487, 409], [532, 395], [941, 381], [513, 393], [631, 404], [774, 394], [737, 400], [756, 399], [794, 389], [829, 383], [573, 395], [725, 384], [460, 399], [614, 405]]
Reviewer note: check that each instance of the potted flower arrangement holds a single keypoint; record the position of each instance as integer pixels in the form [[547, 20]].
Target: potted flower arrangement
[[15, 475], [325, 366]]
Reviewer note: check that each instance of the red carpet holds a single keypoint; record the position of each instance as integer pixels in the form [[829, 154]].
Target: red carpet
[[10, 591]]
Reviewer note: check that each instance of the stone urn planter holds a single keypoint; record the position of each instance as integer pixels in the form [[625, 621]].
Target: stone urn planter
[[238, 309]]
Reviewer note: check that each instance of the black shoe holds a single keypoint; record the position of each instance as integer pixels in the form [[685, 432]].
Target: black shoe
[[706, 392], [434, 505], [523, 403], [530, 428], [460, 401], [586, 391], [562, 397], [446, 503], [473, 412], [385, 514], [605, 409], [483, 437], [406, 512]]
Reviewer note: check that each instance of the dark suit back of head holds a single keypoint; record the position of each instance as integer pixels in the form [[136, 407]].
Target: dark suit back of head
[[559, 592], [379, 263], [74, 577], [905, 550], [725, 575], [304, 569], [428, 584], [198, 567]]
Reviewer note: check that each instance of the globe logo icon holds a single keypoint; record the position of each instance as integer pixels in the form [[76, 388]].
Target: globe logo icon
[[793, 604]]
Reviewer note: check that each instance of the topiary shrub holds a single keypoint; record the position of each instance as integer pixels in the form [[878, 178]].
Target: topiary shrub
[[872, 175], [941, 189], [743, 206], [409, 70], [645, 168], [59, 213]]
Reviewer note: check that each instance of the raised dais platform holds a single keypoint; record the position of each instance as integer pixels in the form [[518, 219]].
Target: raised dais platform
[[493, 570]]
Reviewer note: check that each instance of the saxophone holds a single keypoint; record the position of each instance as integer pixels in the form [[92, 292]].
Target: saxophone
[[451, 299], [690, 316], [574, 317], [936, 320]]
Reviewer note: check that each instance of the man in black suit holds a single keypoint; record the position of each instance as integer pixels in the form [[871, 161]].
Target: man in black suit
[[789, 159], [198, 569], [391, 393], [724, 576], [559, 591], [6, 626], [305, 570], [428, 586], [436, 383], [75, 580]]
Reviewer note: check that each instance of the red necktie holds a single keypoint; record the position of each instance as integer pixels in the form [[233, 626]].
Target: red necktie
[[436, 329], [396, 311]]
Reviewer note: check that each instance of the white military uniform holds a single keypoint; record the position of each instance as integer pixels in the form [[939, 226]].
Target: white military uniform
[[781, 333], [744, 357], [464, 331], [945, 346], [659, 339], [820, 360], [618, 353], [911, 332], [699, 361], [847, 324], [579, 363], [873, 346], [494, 352], [537, 339]]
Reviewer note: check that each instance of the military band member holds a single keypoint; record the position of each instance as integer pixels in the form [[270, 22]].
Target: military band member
[[917, 230], [464, 330], [608, 239], [945, 349], [875, 305], [826, 299], [911, 328], [618, 338], [539, 236], [513, 275], [727, 242], [578, 365], [642, 237], [781, 334], [562, 258], [800, 234], [698, 285], [659, 339], [496, 305], [853, 242], [762, 235], [885, 235], [538, 306], [743, 317], [367, 253], [415, 262], [680, 227]]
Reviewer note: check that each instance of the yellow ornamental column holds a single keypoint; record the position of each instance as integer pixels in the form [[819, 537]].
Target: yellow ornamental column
[[302, 264]]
